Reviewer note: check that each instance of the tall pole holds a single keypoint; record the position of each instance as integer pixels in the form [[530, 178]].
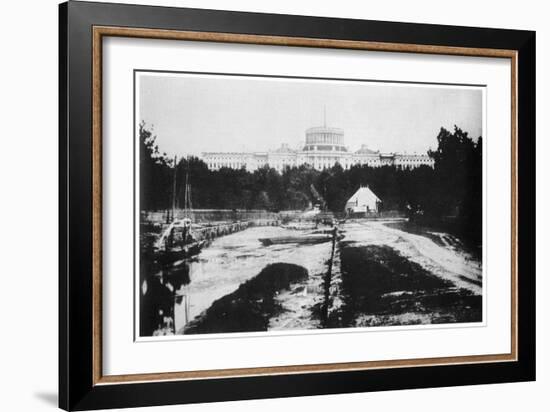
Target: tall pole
[[187, 194], [174, 188]]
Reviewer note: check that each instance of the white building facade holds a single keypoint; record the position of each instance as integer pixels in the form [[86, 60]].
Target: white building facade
[[323, 148]]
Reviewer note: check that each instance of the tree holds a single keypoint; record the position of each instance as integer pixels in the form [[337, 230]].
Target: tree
[[154, 172], [451, 189], [454, 161], [458, 180]]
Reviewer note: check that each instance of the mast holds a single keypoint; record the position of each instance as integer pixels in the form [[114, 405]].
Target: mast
[[187, 206], [174, 188], [186, 191]]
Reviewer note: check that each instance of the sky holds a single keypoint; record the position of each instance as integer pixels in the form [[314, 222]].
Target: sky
[[195, 113]]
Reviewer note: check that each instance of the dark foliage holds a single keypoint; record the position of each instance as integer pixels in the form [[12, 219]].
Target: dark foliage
[[154, 172], [452, 190]]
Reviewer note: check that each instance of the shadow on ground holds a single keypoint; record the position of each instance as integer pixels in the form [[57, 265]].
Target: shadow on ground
[[250, 307], [49, 398]]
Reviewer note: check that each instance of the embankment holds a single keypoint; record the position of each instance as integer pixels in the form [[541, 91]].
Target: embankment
[[380, 287]]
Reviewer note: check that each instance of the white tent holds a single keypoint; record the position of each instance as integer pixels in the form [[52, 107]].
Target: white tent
[[363, 201]]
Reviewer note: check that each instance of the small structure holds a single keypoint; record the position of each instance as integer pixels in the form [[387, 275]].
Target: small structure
[[363, 202]]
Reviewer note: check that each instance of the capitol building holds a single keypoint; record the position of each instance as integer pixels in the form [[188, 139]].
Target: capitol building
[[324, 147]]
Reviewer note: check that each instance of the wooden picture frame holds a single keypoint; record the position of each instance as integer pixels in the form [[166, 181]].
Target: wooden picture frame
[[82, 384]]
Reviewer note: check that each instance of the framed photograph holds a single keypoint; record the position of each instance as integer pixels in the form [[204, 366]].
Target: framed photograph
[[256, 205]]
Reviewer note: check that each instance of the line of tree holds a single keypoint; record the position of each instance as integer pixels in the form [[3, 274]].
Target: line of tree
[[451, 190]]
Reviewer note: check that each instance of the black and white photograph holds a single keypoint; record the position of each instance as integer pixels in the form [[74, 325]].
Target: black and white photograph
[[282, 204], [275, 206]]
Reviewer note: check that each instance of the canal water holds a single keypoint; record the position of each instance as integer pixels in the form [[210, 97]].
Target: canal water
[[226, 263], [172, 298]]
